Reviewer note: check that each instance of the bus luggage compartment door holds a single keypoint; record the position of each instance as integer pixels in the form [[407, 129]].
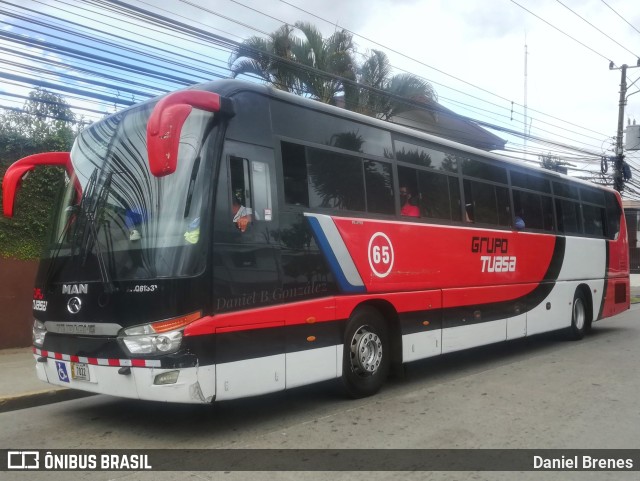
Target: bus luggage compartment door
[[250, 360]]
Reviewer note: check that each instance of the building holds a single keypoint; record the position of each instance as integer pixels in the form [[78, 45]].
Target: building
[[438, 120]]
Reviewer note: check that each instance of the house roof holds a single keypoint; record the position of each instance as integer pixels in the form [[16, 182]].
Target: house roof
[[628, 204], [442, 122]]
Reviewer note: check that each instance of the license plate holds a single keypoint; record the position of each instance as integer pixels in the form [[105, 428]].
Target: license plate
[[80, 371]]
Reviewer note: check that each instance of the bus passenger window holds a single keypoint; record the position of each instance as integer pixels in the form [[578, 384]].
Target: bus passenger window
[[336, 181], [568, 215], [378, 178], [294, 169], [409, 201], [486, 203], [533, 210], [439, 196], [594, 220]]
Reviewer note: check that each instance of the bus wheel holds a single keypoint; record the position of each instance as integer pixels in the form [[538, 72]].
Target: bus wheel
[[366, 356], [578, 317]]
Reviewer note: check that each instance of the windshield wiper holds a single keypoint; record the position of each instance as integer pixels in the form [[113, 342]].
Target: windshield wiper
[[70, 211], [96, 203], [192, 185], [74, 213]]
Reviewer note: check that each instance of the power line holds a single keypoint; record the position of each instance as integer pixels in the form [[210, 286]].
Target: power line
[[561, 31], [220, 41], [433, 68], [603, 33], [624, 19], [142, 54], [353, 33], [149, 19]]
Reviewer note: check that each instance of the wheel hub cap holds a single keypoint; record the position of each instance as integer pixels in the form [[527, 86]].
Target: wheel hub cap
[[578, 314], [366, 352]]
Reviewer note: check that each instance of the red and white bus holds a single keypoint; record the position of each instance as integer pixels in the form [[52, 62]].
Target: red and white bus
[[232, 240]]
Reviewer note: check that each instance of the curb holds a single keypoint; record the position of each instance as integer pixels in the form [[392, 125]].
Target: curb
[[39, 398]]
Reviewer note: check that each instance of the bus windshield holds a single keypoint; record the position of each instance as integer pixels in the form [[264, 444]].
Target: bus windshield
[[128, 224]]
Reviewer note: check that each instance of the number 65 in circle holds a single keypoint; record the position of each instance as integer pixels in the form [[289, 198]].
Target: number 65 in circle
[[380, 254]]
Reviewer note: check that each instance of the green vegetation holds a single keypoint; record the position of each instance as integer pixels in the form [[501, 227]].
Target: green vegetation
[[46, 124], [290, 62]]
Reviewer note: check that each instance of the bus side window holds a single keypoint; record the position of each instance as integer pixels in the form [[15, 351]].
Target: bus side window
[[568, 215], [240, 186], [534, 209], [487, 203], [250, 191], [261, 181], [613, 216], [294, 168]]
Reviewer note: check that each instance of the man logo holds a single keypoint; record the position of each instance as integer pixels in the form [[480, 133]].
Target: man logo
[[74, 305], [23, 460], [75, 288]]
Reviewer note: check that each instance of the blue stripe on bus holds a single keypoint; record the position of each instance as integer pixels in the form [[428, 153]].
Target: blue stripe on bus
[[334, 265]]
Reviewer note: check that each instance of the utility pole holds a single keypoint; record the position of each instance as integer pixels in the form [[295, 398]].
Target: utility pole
[[525, 95], [618, 178]]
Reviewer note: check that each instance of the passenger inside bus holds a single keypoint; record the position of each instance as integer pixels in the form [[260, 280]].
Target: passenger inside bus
[[519, 220], [242, 215], [409, 203], [468, 212], [133, 219]]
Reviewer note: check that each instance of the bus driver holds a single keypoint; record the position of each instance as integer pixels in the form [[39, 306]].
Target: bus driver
[[241, 214]]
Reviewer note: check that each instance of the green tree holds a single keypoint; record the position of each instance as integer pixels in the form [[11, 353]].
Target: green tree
[[334, 55], [260, 57], [390, 95], [310, 51], [290, 62], [46, 124]]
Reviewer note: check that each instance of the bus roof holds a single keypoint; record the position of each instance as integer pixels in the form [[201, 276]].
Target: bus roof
[[232, 87]]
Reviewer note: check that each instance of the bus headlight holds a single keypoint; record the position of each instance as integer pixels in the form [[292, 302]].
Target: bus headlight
[[39, 331], [163, 343], [161, 337]]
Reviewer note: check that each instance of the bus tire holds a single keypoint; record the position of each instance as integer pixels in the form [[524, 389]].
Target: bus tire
[[367, 353], [579, 319]]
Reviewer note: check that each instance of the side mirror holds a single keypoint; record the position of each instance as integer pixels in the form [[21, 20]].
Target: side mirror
[[165, 125], [19, 169]]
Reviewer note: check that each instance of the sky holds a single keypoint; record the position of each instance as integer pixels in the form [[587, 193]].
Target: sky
[[472, 51]]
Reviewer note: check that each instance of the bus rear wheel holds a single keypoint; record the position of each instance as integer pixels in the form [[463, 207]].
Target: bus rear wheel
[[366, 355], [579, 319]]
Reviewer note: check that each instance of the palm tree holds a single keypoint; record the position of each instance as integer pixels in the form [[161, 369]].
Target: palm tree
[[385, 97], [295, 64], [261, 57], [333, 55], [311, 52]]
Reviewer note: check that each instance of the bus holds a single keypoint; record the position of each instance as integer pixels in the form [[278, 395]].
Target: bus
[[232, 240]]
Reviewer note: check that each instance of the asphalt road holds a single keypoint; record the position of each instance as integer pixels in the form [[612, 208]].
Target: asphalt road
[[534, 393]]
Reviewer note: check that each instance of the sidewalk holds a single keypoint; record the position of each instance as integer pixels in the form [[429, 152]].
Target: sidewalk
[[19, 386]]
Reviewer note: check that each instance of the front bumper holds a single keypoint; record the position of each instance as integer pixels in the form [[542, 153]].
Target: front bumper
[[194, 384]]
